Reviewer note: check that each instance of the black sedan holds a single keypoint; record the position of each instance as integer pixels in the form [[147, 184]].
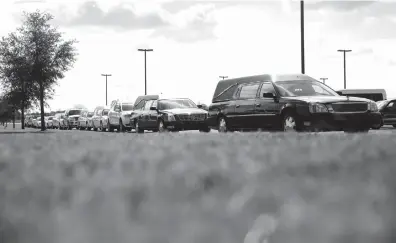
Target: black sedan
[[169, 115], [388, 112], [288, 102]]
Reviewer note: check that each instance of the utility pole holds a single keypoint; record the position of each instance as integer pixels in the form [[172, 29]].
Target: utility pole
[[223, 77], [344, 51], [302, 37], [106, 75], [145, 68], [324, 80]]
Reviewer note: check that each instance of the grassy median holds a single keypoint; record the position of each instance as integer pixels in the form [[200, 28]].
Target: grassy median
[[92, 187]]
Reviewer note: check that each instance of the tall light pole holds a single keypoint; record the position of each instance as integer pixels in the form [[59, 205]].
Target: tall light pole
[[223, 77], [344, 51], [145, 68], [302, 37], [106, 75], [324, 80]]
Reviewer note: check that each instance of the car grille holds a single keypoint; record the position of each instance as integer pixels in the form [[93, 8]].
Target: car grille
[[350, 107], [193, 117]]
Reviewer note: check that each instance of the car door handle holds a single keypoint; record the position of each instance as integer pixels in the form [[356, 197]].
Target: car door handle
[[258, 105], [237, 106]]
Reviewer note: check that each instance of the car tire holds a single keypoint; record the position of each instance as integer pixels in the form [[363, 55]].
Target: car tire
[[121, 127], [289, 123], [109, 127], [102, 129], [222, 126], [137, 128], [205, 130]]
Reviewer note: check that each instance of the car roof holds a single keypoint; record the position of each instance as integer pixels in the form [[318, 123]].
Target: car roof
[[145, 97], [225, 84]]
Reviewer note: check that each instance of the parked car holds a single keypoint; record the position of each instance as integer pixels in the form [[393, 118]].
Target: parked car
[[49, 122], [82, 121], [388, 112], [168, 115], [70, 119], [119, 115], [35, 122], [104, 119], [56, 120], [89, 120], [97, 117], [287, 102]]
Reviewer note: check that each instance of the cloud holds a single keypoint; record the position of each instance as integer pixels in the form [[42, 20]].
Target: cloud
[[121, 17], [338, 5], [194, 24]]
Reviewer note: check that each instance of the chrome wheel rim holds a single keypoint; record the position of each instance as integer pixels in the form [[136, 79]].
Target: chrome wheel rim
[[161, 126], [289, 124], [222, 125], [137, 126]]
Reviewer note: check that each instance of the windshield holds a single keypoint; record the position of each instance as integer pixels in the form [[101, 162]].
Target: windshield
[[127, 107], [90, 114], [105, 112], [173, 104], [304, 88], [50, 118], [74, 112]]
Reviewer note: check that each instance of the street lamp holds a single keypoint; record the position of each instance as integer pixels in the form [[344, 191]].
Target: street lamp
[[302, 37], [344, 51], [106, 75], [223, 77], [324, 80], [145, 68]]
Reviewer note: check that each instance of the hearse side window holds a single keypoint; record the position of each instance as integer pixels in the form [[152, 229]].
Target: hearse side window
[[267, 88], [391, 106], [249, 91]]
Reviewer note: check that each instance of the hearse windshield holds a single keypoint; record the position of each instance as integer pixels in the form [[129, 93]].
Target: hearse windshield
[[127, 107], [304, 88], [106, 112], [74, 112], [174, 104]]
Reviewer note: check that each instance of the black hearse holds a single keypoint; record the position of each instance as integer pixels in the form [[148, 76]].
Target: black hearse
[[287, 102]]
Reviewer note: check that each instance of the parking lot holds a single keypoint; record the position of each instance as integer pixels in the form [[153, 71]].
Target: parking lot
[[146, 187]]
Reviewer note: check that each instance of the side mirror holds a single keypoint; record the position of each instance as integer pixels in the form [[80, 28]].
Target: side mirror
[[199, 106], [153, 108], [268, 95]]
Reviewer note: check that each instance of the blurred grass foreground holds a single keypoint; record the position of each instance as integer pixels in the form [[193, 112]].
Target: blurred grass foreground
[[80, 187]]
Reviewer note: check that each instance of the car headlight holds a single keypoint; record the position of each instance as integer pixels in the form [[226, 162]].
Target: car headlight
[[317, 108], [373, 106], [171, 117]]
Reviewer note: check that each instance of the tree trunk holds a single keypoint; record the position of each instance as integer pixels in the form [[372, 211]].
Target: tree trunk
[[13, 117], [42, 104], [23, 106]]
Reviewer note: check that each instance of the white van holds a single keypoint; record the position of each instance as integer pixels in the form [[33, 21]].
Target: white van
[[372, 94]]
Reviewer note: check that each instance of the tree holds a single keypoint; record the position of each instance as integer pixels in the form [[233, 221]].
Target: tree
[[14, 73], [51, 56]]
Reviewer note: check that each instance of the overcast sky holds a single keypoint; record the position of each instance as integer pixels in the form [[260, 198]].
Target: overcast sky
[[196, 41]]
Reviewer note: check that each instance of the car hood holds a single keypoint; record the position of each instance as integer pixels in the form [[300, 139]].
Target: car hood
[[326, 99], [185, 111], [74, 116], [126, 113]]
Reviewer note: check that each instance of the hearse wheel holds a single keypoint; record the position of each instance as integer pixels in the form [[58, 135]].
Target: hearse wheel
[[222, 125], [137, 128], [161, 126], [109, 127], [289, 123]]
